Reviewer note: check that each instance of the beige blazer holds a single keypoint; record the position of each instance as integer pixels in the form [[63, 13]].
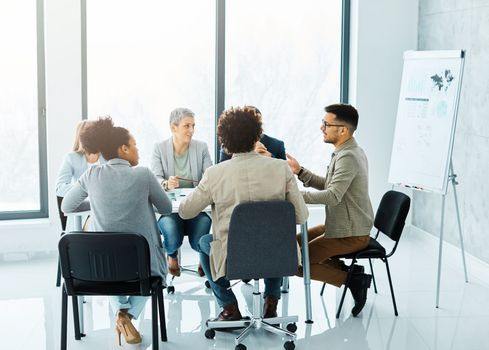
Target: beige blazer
[[245, 177], [344, 192]]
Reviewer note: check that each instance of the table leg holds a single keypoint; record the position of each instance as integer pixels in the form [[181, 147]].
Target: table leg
[[307, 272]]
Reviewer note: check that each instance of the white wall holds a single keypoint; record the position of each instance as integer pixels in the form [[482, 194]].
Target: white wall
[[462, 24], [381, 31], [63, 99]]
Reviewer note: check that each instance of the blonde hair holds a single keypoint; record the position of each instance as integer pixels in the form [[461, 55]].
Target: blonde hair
[[77, 145]]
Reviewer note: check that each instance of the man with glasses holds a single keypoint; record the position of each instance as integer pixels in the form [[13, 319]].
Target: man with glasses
[[344, 192]]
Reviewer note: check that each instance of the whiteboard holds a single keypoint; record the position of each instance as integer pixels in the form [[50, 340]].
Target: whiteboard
[[426, 119]]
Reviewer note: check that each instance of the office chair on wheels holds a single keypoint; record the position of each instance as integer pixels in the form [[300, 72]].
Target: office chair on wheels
[[389, 220], [261, 244], [108, 263]]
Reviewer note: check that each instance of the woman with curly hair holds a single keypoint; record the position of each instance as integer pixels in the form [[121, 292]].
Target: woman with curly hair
[[121, 200]]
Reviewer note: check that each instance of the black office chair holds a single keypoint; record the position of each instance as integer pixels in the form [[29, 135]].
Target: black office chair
[[261, 244], [389, 219], [62, 218], [108, 263]]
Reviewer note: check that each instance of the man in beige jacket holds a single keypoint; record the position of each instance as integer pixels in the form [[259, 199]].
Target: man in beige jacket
[[246, 177], [344, 192]]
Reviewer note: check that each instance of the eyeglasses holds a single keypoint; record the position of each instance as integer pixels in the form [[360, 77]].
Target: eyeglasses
[[325, 124]]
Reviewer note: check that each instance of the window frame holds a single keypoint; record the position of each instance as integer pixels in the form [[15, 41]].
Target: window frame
[[220, 61], [43, 212]]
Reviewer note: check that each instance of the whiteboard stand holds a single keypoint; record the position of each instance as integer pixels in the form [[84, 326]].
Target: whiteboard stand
[[452, 177]]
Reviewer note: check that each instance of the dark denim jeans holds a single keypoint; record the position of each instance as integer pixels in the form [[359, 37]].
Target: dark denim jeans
[[223, 295], [173, 228]]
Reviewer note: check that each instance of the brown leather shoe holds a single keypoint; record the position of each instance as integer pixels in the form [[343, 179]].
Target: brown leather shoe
[[229, 313], [173, 266], [270, 307], [200, 271]]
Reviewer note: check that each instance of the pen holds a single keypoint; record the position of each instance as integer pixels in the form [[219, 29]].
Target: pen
[[181, 178]]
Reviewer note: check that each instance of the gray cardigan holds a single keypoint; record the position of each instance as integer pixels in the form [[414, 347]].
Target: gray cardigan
[[162, 163], [121, 200]]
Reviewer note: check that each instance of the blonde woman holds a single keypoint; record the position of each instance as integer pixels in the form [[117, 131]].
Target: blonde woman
[[75, 163]]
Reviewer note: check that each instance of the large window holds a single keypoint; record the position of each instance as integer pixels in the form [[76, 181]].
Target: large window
[[23, 182], [147, 57], [284, 57]]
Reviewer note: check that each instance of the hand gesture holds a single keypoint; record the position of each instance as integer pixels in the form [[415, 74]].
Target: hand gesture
[[294, 165]]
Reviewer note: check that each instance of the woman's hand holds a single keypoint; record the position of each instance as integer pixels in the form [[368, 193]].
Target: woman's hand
[[173, 182]]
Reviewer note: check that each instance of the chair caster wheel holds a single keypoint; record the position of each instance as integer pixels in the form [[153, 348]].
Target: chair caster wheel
[[291, 327], [240, 347], [210, 334], [289, 345], [171, 289], [207, 284]]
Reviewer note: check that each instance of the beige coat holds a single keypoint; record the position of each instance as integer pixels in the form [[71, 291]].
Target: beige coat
[[344, 192], [244, 178]]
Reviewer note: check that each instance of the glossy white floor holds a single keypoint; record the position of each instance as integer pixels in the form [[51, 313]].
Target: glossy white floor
[[30, 305]]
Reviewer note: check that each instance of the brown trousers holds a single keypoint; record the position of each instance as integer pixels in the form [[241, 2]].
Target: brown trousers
[[321, 249]]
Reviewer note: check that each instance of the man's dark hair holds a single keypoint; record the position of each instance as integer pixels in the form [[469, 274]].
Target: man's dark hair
[[102, 136], [239, 128], [344, 113]]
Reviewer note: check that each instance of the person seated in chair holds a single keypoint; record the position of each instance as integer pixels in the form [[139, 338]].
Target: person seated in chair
[[75, 163], [344, 192], [246, 177], [267, 146], [121, 200], [179, 162]]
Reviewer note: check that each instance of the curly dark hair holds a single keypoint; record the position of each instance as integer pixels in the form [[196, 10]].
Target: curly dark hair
[[102, 136], [239, 128]]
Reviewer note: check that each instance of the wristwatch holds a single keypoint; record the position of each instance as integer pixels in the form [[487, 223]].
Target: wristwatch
[[164, 183], [300, 171]]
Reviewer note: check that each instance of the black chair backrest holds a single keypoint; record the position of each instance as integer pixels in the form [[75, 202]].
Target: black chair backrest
[[62, 215], [104, 257], [391, 215], [262, 241]]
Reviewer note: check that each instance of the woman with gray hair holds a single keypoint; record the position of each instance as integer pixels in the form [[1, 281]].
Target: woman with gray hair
[[180, 162]]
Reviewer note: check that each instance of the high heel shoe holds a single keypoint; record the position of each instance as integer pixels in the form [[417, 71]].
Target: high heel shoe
[[125, 327]]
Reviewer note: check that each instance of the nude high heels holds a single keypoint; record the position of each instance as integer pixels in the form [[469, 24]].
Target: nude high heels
[[125, 327]]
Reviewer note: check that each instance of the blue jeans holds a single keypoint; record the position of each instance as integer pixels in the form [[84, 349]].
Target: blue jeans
[[223, 295], [133, 304], [173, 228]]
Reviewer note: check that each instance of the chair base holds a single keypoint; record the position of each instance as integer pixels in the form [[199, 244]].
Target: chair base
[[256, 321]]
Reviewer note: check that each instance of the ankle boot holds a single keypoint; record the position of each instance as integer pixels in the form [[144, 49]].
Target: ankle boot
[[270, 307], [173, 266], [357, 269], [359, 285], [200, 271], [229, 313]]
